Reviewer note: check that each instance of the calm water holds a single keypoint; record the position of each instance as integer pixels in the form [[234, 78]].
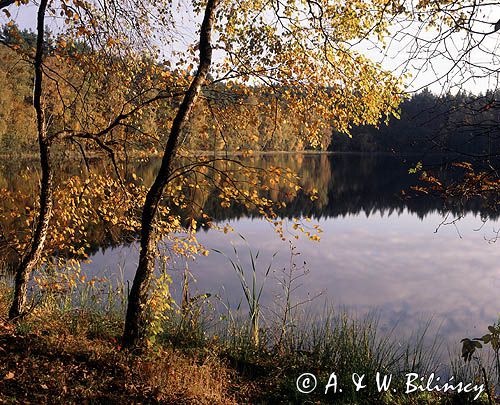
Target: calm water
[[379, 252]]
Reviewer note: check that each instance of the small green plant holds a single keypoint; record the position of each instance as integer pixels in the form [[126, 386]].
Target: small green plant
[[160, 303]]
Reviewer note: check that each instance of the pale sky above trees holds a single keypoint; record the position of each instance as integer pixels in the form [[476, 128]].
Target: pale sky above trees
[[428, 63]]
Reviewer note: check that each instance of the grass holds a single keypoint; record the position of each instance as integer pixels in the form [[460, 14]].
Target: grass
[[70, 369], [58, 355], [67, 351]]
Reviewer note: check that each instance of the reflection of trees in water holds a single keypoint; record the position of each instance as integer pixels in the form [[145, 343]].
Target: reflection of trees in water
[[347, 185], [352, 184], [19, 185]]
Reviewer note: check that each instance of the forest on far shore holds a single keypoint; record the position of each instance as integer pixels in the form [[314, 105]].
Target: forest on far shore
[[461, 123]]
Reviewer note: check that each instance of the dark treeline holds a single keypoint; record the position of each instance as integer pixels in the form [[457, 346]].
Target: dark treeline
[[462, 124]]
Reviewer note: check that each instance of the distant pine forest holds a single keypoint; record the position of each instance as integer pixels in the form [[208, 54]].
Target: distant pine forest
[[462, 124]]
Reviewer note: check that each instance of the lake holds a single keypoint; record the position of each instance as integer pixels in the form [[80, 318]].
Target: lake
[[403, 258]]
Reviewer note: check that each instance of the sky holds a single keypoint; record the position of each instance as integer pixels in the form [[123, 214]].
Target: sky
[[436, 68]]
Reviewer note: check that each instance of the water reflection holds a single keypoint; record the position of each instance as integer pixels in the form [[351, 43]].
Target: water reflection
[[379, 251]]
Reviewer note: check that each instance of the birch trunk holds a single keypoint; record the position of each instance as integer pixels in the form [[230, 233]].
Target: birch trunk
[[31, 259], [135, 321]]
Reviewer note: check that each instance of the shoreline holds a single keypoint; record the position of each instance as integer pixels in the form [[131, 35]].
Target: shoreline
[[139, 155]]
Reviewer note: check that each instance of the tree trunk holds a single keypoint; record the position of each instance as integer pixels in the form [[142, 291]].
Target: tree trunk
[[135, 321], [31, 259]]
